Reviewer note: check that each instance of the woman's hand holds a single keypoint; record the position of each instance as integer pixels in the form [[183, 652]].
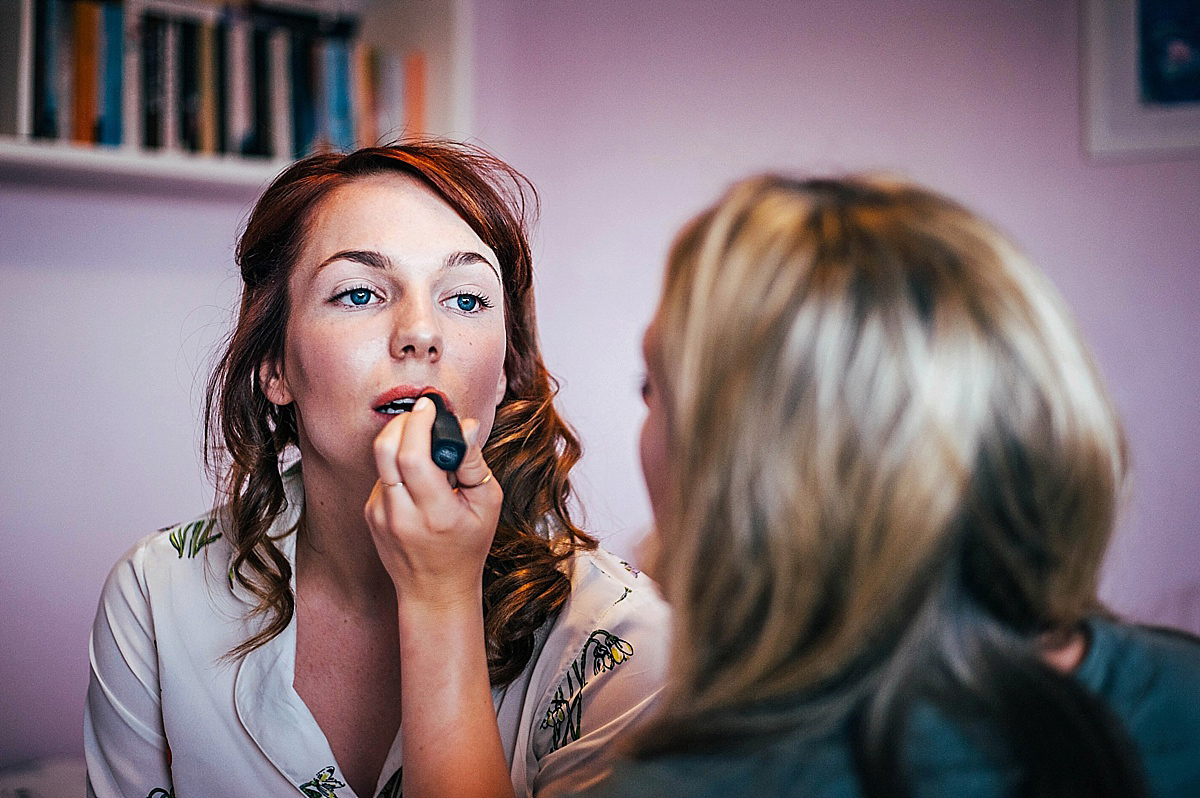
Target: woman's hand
[[433, 539]]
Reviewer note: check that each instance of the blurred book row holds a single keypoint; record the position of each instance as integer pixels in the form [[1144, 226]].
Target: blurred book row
[[248, 79]]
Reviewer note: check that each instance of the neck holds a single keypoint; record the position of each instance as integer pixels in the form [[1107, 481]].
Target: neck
[[335, 549]]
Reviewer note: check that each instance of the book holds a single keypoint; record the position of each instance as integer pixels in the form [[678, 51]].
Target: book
[[45, 62], [277, 93], [131, 79], [153, 46], [109, 124], [261, 138], [363, 81], [85, 68], [186, 66], [220, 84], [206, 74], [337, 93], [64, 67], [239, 124], [16, 64], [414, 94], [171, 73], [303, 91]]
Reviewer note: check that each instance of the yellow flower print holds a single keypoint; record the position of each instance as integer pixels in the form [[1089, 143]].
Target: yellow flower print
[[321, 785], [609, 651]]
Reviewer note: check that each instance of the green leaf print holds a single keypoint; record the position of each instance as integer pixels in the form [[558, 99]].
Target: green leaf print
[[188, 539]]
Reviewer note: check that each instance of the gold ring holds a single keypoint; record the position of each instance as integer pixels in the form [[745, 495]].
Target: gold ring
[[483, 481], [390, 484]]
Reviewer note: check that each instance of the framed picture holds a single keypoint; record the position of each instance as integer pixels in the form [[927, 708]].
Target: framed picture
[[1141, 78]]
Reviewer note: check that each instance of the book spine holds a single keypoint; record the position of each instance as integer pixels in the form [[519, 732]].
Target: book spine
[[240, 125], [414, 94], [363, 82], [322, 95], [188, 70], [262, 80], [302, 90], [220, 84], [64, 68], [45, 60], [131, 68], [153, 36], [279, 95], [85, 69], [171, 68], [337, 82], [16, 63], [112, 88], [206, 74]]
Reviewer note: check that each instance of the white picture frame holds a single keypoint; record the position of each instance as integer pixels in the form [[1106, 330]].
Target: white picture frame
[[1117, 124]]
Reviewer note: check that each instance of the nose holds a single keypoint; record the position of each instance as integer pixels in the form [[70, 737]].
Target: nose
[[416, 331]]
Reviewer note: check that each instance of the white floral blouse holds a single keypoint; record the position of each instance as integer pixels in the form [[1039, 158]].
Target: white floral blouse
[[168, 714]]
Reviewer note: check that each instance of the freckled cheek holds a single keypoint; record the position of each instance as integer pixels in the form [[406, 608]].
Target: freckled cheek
[[480, 370], [327, 367]]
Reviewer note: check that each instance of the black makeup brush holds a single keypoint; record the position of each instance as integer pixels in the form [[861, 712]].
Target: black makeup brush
[[448, 445]]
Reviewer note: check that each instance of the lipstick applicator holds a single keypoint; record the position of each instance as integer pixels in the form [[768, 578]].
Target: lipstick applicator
[[448, 445]]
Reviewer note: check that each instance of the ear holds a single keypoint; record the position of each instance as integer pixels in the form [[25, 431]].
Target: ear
[[274, 385], [501, 386]]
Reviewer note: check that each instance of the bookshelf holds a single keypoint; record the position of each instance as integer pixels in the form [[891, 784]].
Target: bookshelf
[[342, 73]]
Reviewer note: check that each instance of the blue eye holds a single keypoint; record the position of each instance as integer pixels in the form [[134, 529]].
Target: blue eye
[[469, 303], [356, 297]]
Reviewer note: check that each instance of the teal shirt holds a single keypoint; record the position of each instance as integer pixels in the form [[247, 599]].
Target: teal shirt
[[1149, 678]]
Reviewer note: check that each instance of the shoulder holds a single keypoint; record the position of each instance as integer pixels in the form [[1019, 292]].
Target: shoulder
[[1150, 677], [193, 556], [614, 603], [600, 581], [174, 550], [1130, 663], [180, 570]]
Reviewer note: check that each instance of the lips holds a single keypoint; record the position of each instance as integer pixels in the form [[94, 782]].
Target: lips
[[402, 398]]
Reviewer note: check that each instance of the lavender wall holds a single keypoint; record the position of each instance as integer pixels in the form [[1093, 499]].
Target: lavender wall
[[109, 308], [629, 116]]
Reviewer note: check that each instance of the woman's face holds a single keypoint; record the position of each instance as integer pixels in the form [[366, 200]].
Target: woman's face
[[393, 295]]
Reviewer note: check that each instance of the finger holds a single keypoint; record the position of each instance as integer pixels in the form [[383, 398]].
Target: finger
[[423, 480], [474, 473], [387, 445]]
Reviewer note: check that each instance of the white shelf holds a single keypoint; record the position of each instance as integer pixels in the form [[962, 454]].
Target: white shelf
[[74, 163]]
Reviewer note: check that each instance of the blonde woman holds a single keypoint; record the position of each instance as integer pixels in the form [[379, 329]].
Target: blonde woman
[[884, 472]]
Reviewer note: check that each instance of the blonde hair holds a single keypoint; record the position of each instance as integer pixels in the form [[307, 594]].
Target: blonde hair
[[880, 417]]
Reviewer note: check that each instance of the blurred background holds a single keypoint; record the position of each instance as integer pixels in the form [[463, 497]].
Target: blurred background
[[629, 116]]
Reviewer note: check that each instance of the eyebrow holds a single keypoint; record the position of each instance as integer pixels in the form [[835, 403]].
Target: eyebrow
[[366, 257], [377, 260]]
